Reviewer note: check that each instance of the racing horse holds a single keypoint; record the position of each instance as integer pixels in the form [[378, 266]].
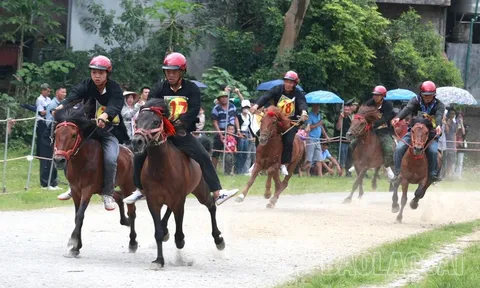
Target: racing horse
[[269, 152], [414, 169], [77, 150], [168, 176]]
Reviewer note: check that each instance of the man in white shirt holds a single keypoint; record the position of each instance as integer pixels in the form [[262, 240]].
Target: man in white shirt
[[44, 147]]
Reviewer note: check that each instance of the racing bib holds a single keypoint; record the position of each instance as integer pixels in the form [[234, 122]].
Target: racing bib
[[101, 109], [177, 106], [286, 105]]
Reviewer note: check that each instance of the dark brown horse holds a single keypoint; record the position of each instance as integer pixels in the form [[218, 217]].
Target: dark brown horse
[[269, 152], [368, 152], [414, 167], [168, 176], [77, 150]]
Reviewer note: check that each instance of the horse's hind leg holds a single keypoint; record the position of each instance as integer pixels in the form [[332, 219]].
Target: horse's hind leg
[[395, 206], [268, 187], [206, 198], [375, 178], [121, 208], [76, 238], [404, 200], [355, 185]]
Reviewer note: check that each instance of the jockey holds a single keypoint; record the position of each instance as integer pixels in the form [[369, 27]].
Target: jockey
[[427, 103], [293, 103], [382, 126], [174, 67], [109, 96]]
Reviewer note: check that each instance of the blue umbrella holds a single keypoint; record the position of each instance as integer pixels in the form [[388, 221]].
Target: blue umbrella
[[323, 97], [400, 95], [265, 86], [199, 84]]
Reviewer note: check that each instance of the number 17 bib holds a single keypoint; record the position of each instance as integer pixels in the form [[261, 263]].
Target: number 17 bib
[[177, 106]]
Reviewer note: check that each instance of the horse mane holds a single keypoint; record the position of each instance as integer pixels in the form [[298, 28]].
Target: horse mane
[[370, 113], [275, 111], [158, 102], [421, 120], [77, 113]]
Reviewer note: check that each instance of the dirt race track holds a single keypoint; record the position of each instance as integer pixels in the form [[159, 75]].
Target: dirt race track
[[264, 247]]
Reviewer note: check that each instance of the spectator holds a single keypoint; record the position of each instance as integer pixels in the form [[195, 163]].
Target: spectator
[[245, 120], [450, 136], [462, 131], [129, 111], [314, 130], [223, 113], [44, 146], [200, 124], [230, 150], [235, 100], [343, 124], [144, 92], [326, 156]]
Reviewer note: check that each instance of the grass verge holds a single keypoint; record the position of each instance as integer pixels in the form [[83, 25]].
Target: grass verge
[[461, 271], [382, 264]]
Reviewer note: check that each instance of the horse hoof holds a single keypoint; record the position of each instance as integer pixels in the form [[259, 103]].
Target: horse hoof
[[166, 237], [72, 254], [133, 248], [399, 220], [413, 204], [72, 242], [347, 200], [240, 198], [395, 208], [180, 244], [221, 246], [156, 266], [267, 195], [270, 205]]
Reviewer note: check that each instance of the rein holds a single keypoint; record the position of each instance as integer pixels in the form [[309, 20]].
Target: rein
[[368, 126], [165, 129], [411, 145]]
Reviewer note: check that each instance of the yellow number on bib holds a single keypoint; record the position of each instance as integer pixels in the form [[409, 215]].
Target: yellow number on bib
[[287, 106], [101, 109]]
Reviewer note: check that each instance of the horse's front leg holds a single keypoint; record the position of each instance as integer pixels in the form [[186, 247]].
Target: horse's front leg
[[395, 206], [256, 170], [268, 185], [404, 199], [355, 184], [155, 208], [118, 196], [81, 204], [419, 193], [375, 178], [132, 215], [165, 218], [278, 187]]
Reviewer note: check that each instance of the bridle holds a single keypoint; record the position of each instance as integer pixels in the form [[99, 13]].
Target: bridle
[[79, 141], [423, 144], [156, 136], [364, 131], [275, 125]]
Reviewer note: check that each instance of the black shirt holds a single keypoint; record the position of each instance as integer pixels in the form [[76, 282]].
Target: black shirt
[[187, 89], [413, 107], [276, 92], [387, 115]]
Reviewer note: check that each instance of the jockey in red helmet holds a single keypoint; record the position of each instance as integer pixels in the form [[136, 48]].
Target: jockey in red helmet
[[427, 103], [174, 67], [108, 94], [293, 103]]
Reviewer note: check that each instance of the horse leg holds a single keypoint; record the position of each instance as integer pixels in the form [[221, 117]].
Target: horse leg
[[268, 186], [375, 178], [355, 185], [419, 193], [404, 200], [395, 206], [278, 190], [165, 218], [75, 240], [256, 170], [178, 214], [155, 210], [133, 244], [121, 208]]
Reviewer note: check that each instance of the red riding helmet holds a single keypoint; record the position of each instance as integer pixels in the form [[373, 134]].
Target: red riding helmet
[[101, 62], [175, 61], [428, 88], [291, 75], [380, 90]]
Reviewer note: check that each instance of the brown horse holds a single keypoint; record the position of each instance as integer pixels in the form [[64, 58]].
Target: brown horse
[[168, 176], [368, 152], [414, 167], [269, 152], [77, 150]]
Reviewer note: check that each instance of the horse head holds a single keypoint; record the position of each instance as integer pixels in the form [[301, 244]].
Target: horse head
[[273, 123], [152, 126], [362, 122], [419, 134], [71, 126]]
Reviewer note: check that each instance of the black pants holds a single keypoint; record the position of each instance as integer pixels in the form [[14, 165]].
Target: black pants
[[287, 141], [44, 149], [194, 149]]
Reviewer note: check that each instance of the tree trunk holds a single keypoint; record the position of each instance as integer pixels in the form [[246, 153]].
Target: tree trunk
[[293, 21]]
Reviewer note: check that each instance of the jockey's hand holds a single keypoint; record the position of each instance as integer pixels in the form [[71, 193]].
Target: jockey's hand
[[395, 121], [253, 108], [304, 116], [102, 120], [438, 130]]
